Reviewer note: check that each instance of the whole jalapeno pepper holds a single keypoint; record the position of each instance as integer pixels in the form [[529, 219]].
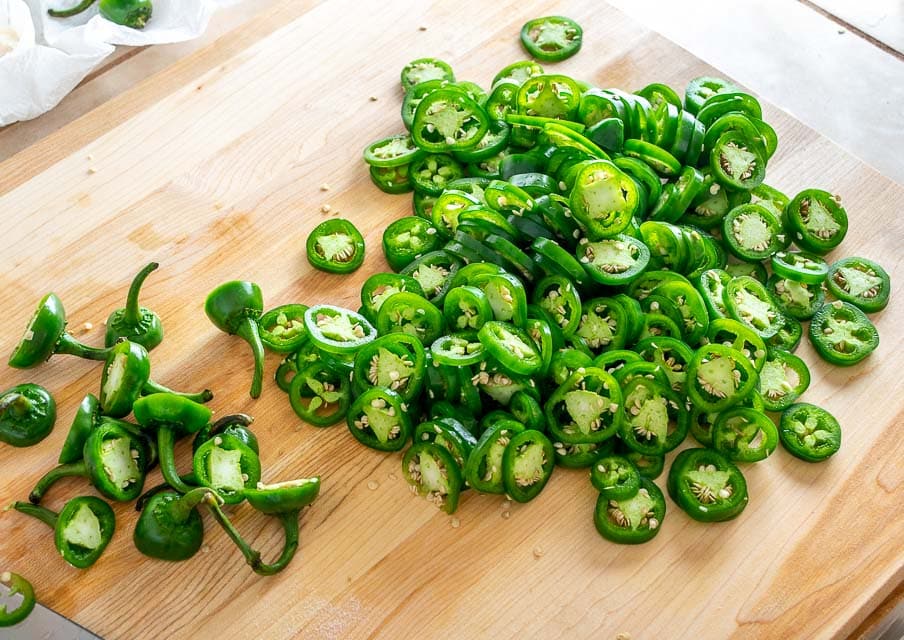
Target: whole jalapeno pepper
[[27, 415], [82, 530], [235, 307], [18, 586], [282, 500], [134, 322], [171, 417], [170, 526], [46, 335], [228, 466], [114, 459], [129, 13]]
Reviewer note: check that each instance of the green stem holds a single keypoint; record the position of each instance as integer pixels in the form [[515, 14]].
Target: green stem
[[58, 472], [153, 387], [180, 510], [248, 331], [289, 522], [17, 404], [68, 13], [69, 345], [188, 478], [165, 451], [132, 313], [43, 514]]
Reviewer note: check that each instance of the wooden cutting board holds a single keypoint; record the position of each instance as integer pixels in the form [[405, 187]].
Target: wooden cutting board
[[217, 168]]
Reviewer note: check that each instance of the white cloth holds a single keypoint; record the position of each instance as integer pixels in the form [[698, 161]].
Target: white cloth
[[44, 58]]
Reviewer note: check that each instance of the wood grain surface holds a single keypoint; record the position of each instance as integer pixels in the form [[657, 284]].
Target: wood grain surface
[[215, 168]]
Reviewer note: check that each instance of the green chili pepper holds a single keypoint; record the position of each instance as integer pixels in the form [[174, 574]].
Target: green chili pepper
[[170, 526], [133, 322], [171, 417], [227, 465], [86, 418], [114, 459], [337, 330], [631, 520], [82, 529], [284, 501], [27, 415], [707, 485], [46, 335], [320, 395], [378, 418], [335, 246], [551, 39], [235, 307], [432, 472], [861, 282], [809, 432], [842, 334], [282, 328], [21, 587], [235, 425]]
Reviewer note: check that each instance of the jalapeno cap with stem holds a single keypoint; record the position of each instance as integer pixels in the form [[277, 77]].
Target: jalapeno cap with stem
[[46, 335], [129, 13], [134, 322], [82, 530], [235, 307], [27, 415], [170, 526]]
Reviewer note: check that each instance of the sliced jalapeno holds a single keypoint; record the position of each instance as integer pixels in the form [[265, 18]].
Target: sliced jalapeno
[[800, 266], [448, 120], [783, 379], [408, 312], [527, 464], [718, 377], [842, 334], [861, 282], [432, 473], [654, 418], [707, 485], [335, 246], [751, 232], [282, 328], [631, 520], [337, 330], [552, 38], [749, 303], [744, 435], [585, 408], [378, 419], [809, 432], [817, 221], [425, 70]]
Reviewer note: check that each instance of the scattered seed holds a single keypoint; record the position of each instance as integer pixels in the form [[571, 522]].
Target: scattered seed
[[372, 485]]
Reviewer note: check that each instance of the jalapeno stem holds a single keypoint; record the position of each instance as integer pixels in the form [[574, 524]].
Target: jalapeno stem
[[165, 442], [132, 313], [58, 472], [43, 514], [153, 387], [73, 11], [180, 509], [69, 345], [150, 493], [289, 522], [248, 331]]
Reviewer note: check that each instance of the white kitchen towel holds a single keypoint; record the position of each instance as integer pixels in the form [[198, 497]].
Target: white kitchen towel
[[44, 58]]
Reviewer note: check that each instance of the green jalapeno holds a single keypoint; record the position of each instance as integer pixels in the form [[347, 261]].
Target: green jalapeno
[[738, 162], [82, 529], [378, 287], [585, 407], [527, 464], [700, 89], [751, 232], [783, 379], [749, 303], [27, 415], [114, 459], [393, 151], [319, 395], [282, 328], [228, 466], [170, 526], [408, 238], [518, 72], [86, 418], [171, 417], [432, 472], [719, 377], [707, 485], [842, 334], [395, 361], [511, 347], [654, 419], [860, 282], [46, 335], [797, 300], [615, 477], [551, 39], [731, 333], [18, 586], [283, 501], [433, 172], [800, 266], [335, 246], [234, 308], [133, 322], [378, 419], [407, 312], [393, 179], [457, 349], [337, 330], [744, 434], [809, 432], [425, 70], [235, 425], [448, 120], [817, 221], [633, 520], [434, 272]]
